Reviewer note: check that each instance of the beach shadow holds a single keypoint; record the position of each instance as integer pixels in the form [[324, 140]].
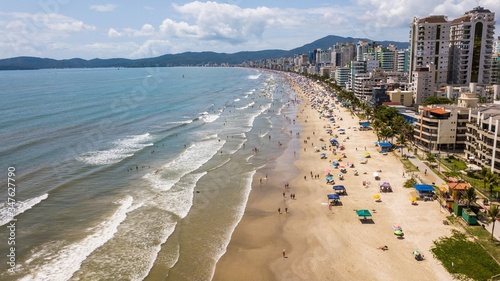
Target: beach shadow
[[339, 203], [366, 221]]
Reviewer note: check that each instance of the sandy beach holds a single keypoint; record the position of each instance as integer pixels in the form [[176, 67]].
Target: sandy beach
[[314, 242]]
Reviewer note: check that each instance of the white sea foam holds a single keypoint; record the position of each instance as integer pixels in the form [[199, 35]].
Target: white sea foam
[[188, 161], [209, 118], [246, 106], [164, 209], [263, 134], [63, 263], [236, 99], [19, 207], [118, 151], [239, 215], [254, 77], [179, 122]]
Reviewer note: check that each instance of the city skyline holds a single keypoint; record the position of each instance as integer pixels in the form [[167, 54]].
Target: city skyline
[[64, 29]]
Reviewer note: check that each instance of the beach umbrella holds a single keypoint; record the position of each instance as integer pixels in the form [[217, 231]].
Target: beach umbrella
[[385, 184], [366, 154], [413, 199], [327, 170], [376, 196], [396, 227], [338, 156], [415, 252], [398, 232], [333, 196], [329, 178], [342, 167], [335, 164]]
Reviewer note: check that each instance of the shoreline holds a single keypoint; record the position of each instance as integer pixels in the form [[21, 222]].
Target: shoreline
[[323, 244]]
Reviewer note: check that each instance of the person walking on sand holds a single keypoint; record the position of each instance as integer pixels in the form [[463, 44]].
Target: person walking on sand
[[279, 211], [286, 210], [284, 253]]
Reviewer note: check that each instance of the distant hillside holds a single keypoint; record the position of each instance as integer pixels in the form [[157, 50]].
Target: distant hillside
[[330, 40], [182, 59]]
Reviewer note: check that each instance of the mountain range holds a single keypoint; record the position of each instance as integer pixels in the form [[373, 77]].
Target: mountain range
[[182, 59]]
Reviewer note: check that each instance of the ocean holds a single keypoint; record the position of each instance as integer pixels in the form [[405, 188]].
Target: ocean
[[132, 173]]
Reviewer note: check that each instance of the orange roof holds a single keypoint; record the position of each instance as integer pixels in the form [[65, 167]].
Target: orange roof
[[438, 110], [459, 185]]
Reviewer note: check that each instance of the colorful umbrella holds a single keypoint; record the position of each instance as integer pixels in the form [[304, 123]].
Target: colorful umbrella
[[327, 170], [376, 196], [413, 199], [415, 252], [396, 227], [398, 232]]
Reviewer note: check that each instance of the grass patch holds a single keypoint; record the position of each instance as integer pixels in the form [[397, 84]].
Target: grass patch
[[463, 258], [409, 167], [410, 183]]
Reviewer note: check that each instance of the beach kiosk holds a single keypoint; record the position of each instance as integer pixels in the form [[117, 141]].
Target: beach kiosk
[[425, 191], [469, 216]]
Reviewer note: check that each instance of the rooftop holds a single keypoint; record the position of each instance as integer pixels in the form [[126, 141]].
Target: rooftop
[[433, 19]]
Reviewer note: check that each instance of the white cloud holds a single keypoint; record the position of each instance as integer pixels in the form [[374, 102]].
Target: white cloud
[[152, 48], [103, 8], [222, 22], [146, 30], [113, 33], [30, 34]]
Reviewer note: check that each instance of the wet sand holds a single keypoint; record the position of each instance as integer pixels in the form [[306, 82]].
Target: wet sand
[[324, 244]]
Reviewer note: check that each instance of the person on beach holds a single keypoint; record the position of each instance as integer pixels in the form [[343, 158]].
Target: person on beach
[[284, 253], [279, 211]]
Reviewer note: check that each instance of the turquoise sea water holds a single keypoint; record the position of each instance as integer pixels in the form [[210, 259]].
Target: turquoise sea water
[[127, 174]]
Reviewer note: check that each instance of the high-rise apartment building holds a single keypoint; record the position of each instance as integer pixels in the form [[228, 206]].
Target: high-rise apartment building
[[429, 43], [471, 47]]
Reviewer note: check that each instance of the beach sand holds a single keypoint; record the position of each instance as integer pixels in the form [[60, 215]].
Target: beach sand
[[324, 244]]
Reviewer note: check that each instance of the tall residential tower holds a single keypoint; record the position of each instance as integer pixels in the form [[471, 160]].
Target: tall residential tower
[[471, 47]]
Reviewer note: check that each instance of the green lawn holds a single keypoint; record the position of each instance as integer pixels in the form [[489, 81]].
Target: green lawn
[[464, 258]]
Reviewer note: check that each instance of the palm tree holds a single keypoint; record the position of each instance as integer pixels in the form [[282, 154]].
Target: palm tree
[[484, 173], [430, 157], [470, 196], [491, 180], [493, 214], [402, 140]]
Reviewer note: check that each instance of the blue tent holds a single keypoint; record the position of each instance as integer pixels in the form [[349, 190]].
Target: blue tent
[[338, 187], [333, 196], [364, 125], [385, 144], [421, 187]]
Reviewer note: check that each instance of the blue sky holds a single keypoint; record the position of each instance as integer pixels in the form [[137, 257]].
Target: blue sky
[[135, 29]]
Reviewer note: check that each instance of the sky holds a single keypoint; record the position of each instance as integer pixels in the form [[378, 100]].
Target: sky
[[64, 29]]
